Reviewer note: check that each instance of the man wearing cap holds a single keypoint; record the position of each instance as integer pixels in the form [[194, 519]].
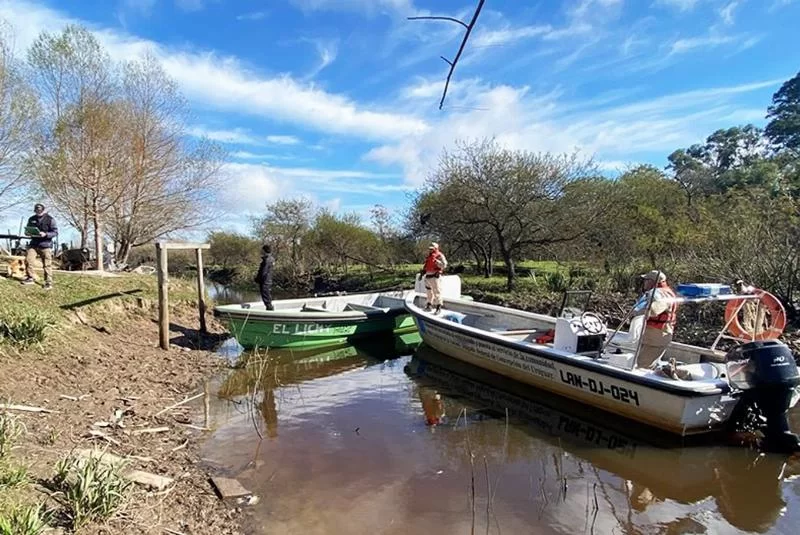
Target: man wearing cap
[[434, 266], [660, 323], [42, 229]]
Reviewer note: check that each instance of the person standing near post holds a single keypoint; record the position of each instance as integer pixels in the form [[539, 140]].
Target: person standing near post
[[432, 270], [264, 276], [42, 229]]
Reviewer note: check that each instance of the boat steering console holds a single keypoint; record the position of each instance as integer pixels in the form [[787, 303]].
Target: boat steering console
[[584, 334]]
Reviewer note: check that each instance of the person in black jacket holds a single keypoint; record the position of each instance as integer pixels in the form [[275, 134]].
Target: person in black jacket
[[41, 244], [264, 276]]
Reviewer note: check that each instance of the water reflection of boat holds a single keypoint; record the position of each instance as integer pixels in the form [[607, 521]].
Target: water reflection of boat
[[280, 367], [744, 483]]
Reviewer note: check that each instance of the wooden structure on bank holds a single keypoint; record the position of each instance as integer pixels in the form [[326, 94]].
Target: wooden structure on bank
[[162, 249]]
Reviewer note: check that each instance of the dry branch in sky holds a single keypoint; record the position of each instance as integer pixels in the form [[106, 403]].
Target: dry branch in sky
[[460, 48]]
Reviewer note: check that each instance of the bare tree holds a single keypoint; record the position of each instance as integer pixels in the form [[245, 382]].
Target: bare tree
[[169, 183], [18, 113], [76, 159]]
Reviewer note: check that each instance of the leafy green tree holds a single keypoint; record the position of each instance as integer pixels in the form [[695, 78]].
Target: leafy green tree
[[783, 130], [229, 249], [285, 225], [519, 197], [337, 241]]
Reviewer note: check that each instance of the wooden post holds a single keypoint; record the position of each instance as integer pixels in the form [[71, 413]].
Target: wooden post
[[163, 297], [201, 291]]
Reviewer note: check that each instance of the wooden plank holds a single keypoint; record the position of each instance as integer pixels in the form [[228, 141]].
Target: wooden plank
[[149, 431], [201, 291], [229, 488], [183, 246], [163, 297], [26, 408]]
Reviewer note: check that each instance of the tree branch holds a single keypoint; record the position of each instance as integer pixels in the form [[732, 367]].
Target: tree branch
[[451, 19], [460, 48]]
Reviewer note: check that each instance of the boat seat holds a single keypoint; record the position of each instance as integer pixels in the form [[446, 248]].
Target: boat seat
[[701, 372], [364, 308], [307, 308]]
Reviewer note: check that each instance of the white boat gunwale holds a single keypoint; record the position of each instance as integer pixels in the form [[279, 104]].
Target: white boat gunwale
[[680, 388]]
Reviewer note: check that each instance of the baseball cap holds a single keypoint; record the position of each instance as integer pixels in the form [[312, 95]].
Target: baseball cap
[[654, 275]]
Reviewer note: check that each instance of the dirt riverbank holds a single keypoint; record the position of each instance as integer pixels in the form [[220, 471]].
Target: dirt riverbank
[[100, 364]]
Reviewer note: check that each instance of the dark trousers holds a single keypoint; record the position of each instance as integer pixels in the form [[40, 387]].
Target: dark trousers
[[266, 296]]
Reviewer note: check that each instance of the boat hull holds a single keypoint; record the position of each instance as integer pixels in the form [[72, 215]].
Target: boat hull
[[678, 412], [285, 332]]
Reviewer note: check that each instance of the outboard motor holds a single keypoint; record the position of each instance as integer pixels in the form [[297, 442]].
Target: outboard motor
[[767, 373]]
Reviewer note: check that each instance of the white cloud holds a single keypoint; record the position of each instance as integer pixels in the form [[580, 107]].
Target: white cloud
[[508, 35], [235, 88], [682, 46], [726, 13], [520, 120], [283, 140], [238, 136], [327, 51], [253, 15], [367, 7], [680, 5], [251, 185]]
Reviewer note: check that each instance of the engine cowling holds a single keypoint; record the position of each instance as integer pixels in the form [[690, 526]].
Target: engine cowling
[[767, 373]]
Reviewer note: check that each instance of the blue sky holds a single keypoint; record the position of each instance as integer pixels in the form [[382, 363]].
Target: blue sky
[[337, 100]]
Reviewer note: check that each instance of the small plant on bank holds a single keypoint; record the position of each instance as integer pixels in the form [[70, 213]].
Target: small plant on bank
[[12, 476], [91, 490], [24, 327], [11, 428], [24, 520]]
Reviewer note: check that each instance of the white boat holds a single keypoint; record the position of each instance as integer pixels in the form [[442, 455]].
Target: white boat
[[575, 355]]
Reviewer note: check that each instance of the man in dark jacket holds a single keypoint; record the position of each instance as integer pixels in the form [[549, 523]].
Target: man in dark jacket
[[264, 276], [42, 229]]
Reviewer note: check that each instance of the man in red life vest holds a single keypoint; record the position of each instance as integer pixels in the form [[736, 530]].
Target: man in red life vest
[[660, 323], [433, 268]]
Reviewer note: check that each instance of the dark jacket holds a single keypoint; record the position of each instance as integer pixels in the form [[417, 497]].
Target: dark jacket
[[46, 224], [264, 275]]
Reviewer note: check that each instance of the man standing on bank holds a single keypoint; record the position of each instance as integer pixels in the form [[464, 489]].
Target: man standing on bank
[[433, 268], [42, 229], [264, 276]]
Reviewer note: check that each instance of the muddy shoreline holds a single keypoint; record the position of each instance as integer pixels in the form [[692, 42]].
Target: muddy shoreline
[[104, 373]]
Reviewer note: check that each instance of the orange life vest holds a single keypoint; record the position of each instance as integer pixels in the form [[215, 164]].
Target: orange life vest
[[430, 263], [669, 316]]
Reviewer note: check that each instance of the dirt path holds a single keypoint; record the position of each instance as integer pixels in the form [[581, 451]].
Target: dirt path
[[89, 373]]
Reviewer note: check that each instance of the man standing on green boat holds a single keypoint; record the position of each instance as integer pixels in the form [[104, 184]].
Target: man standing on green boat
[[264, 276]]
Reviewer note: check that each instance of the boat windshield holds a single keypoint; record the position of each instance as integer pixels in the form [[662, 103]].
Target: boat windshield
[[574, 303]]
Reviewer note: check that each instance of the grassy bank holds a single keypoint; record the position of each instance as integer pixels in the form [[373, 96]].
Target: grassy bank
[[30, 315]]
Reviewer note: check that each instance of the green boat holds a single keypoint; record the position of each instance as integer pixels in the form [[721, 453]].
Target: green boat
[[317, 322]]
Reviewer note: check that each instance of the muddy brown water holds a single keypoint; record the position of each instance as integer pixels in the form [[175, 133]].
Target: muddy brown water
[[392, 438]]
